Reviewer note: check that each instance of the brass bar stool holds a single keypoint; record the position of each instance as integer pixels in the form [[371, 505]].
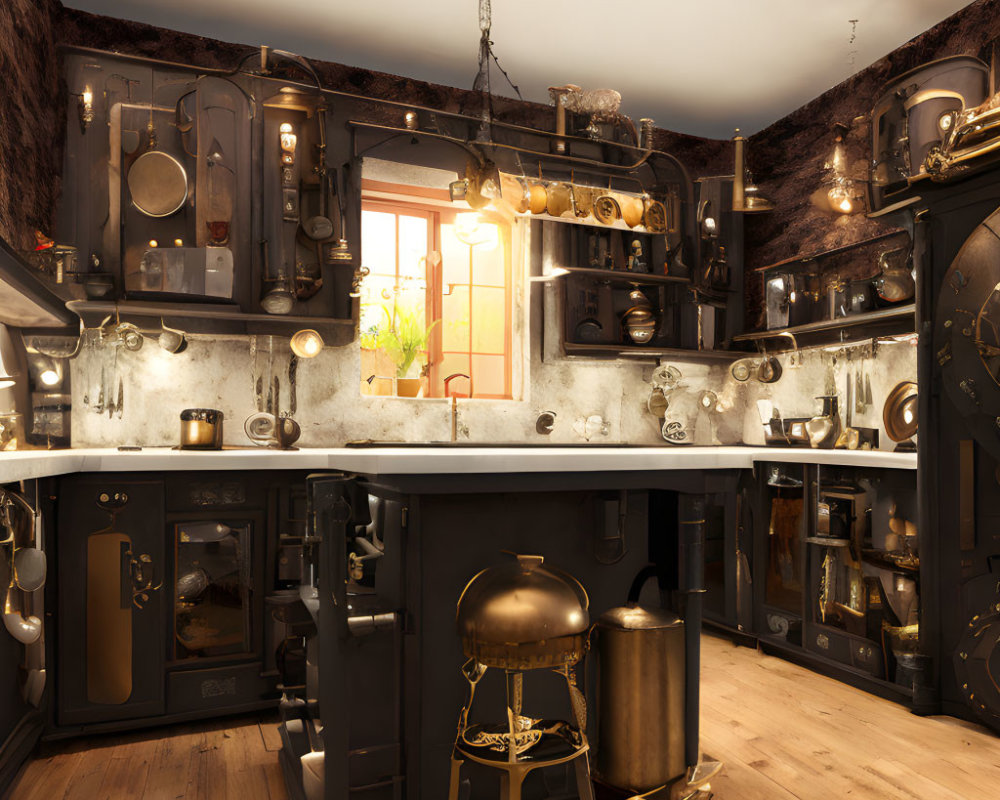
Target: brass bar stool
[[521, 617]]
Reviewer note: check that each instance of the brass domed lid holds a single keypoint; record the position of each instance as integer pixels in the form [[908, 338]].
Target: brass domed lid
[[523, 602]]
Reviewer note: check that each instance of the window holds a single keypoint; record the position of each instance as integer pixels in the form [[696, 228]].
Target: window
[[436, 306]]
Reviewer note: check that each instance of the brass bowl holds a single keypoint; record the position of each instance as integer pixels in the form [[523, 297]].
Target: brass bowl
[[515, 193], [632, 210], [537, 198], [559, 199]]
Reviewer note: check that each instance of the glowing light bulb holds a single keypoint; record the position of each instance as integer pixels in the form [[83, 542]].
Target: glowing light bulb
[[49, 377], [840, 199], [153, 243], [306, 343]]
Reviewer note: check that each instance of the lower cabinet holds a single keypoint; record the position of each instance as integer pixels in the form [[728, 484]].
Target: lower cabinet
[[161, 593], [837, 583]]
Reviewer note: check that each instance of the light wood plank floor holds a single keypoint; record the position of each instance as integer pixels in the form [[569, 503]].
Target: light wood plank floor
[[783, 732], [787, 733]]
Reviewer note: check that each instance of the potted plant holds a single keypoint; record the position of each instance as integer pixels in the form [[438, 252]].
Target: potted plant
[[403, 341]]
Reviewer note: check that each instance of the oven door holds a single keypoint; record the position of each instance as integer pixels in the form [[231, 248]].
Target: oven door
[[215, 598]]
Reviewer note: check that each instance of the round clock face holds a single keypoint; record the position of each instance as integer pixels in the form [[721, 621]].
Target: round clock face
[[968, 332], [977, 665]]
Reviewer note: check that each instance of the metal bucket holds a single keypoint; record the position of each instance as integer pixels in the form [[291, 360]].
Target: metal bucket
[[640, 703]]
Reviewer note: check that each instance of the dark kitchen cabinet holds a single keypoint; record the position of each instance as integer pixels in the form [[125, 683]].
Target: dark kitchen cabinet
[[166, 590], [111, 557], [836, 575], [193, 196]]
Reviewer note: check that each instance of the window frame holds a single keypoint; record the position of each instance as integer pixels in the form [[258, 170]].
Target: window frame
[[435, 205]]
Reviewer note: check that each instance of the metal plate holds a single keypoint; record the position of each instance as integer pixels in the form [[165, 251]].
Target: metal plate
[[157, 184]]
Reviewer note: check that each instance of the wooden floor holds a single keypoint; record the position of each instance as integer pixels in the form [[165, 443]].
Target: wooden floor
[[229, 759], [783, 732]]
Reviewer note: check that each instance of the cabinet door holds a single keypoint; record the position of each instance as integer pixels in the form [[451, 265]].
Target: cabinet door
[[110, 556]]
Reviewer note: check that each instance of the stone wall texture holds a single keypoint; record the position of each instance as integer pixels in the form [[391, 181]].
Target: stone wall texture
[[31, 119]]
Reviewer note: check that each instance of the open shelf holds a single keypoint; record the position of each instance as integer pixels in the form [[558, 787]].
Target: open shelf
[[880, 317], [623, 276], [636, 351], [803, 259], [212, 318]]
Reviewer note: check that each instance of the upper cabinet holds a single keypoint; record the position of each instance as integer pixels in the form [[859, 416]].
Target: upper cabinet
[[216, 200], [230, 201]]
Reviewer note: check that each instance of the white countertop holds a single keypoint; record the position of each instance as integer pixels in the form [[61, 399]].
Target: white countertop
[[28, 464]]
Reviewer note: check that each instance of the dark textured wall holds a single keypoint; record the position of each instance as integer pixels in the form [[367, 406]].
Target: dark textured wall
[[788, 157], [700, 156], [31, 119]]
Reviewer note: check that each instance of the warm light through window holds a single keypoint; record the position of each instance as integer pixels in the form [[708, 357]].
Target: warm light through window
[[447, 273]]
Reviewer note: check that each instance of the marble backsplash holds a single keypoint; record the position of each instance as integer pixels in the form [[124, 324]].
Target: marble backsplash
[[156, 386]]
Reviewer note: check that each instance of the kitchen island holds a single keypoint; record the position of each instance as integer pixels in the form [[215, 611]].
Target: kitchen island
[[442, 513]]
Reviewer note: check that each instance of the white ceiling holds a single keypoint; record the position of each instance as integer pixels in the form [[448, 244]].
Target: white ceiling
[[697, 66]]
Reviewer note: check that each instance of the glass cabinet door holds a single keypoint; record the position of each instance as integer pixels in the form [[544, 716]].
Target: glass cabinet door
[[212, 589]]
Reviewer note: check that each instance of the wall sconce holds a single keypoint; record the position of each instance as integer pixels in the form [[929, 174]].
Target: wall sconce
[[842, 195], [306, 343], [85, 107]]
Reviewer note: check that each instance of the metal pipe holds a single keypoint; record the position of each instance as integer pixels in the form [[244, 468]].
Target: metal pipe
[[739, 201], [692, 557]]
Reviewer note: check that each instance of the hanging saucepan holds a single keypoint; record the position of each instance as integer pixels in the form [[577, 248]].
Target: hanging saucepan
[[157, 182], [899, 416]]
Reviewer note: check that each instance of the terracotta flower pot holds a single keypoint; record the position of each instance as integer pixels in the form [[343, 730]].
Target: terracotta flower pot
[[408, 387]]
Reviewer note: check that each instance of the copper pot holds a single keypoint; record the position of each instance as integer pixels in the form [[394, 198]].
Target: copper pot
[[201, 429]]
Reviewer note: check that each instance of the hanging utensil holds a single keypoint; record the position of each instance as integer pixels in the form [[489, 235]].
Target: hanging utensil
[[293, 368], [157, 182]]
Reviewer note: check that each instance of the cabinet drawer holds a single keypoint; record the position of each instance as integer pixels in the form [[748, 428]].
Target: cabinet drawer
[[219, 687]]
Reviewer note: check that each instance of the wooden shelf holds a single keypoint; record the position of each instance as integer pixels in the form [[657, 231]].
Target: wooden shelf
[[827, 541], [636, 351], [622, 276], [885, 560], [213, 318], [881, 316]]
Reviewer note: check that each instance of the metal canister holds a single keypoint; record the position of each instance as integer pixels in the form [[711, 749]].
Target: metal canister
[[201, 428], [640, 704]]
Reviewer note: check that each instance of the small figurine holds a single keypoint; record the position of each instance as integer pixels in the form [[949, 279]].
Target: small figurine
[[635, 260]]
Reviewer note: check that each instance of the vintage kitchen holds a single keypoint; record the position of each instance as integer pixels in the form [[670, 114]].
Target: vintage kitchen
[[366, 437]]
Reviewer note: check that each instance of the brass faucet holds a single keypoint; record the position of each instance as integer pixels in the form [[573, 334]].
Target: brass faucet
[[454, 401]]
